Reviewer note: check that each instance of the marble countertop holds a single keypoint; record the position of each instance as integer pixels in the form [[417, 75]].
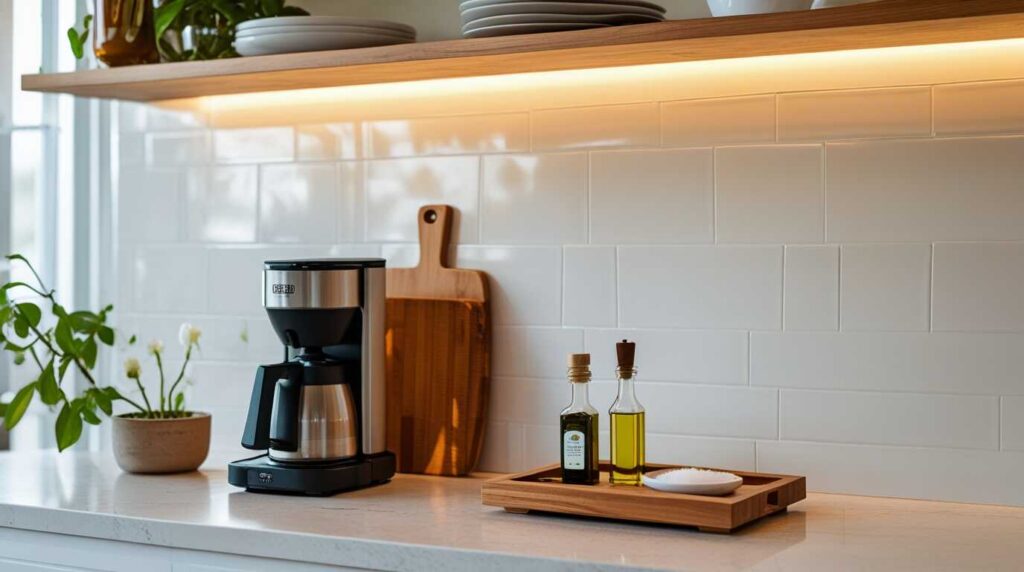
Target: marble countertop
[[430, 523]]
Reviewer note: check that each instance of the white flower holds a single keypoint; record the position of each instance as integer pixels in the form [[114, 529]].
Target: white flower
[[189, 335], [156, 347], [132, 368]]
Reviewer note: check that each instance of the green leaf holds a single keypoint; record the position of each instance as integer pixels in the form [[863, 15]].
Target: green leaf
[[88, 350], [31, 312], [59, 311], [16, 409], [69, 427], [19, 358], [102, 401], [77, 40], [49, 391], [90, 417], [165, 14], [106, 335], [64, 338], [20, 326], [112, 393], [179, 402], [64, 363], [85, 322], [132, 340], [229, 10], [271, 7], [5, 314]]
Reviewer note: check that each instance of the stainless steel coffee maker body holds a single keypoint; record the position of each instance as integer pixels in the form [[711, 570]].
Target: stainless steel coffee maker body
[[324, 405]]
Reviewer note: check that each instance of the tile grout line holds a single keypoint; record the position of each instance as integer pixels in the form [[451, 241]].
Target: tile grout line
[[931, 287]]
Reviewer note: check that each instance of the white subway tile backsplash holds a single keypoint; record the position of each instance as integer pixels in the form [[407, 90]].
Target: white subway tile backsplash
[[169, 278], [397, 188], [728, 454], [222, 203], [260, 144], [724, 121], [533, 352], [589, 294], [149, 205], [534, 199], [959, 421], [526, 285], [885, 287], [651, 197], [978, 287], [735, 287], [905, 472], [812, 288], [769, 194], [817, 116], [635, 125], [985, 107], [1011, 416], [925, 190], [857, 300], [716, 411], [177, 149], [299, 203], [328, 142], [988, 364], [448, 135], [707, 357]]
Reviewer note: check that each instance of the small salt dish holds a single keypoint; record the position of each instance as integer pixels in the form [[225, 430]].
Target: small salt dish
[[692, 481]]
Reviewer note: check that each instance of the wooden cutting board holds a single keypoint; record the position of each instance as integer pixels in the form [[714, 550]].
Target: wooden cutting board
[[438, 357]]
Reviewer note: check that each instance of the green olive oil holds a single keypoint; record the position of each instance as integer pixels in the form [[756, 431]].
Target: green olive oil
[[579, 428]]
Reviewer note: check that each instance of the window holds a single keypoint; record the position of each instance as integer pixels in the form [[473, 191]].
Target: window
[[47, 185]]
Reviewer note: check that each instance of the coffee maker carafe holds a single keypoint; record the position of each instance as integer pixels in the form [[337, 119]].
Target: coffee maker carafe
[[320, 414]]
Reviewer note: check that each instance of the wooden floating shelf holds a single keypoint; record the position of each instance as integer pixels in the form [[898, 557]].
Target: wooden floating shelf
[[888, 23]]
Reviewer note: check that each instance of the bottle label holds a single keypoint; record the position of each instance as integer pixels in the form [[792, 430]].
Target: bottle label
[[574, 449]]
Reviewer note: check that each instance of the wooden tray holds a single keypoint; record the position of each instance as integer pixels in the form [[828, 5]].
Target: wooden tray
[[542, 490]]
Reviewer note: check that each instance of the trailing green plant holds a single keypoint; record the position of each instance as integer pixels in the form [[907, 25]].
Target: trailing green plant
[[64, 340], [211, 25], [78, 39]]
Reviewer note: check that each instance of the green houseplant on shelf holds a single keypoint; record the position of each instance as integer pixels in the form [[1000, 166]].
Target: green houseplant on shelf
[[157, 436]]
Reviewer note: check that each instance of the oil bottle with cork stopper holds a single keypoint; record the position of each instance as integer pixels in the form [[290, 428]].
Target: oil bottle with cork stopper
[[579, 428], [627, 422]]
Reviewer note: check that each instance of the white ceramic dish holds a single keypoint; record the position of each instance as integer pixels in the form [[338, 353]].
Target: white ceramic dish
[[712, 483], [612, 19], [322, 29], [267, 44], [468, 4], [515, 29], [325, 21], [553, 8], [741, 7]]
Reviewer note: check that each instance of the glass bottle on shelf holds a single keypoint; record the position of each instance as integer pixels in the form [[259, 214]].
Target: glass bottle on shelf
[[627, 422], [579, 429], [123, 32]]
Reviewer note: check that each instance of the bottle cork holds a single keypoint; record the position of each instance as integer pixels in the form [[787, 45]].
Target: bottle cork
[[579, 368], [625, 351]]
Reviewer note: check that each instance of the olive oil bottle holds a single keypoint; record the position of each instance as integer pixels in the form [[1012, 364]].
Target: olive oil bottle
[[579, 428], [627, 422]]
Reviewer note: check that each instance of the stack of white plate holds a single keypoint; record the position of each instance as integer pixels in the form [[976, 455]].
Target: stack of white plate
[[489, 18], [289, 34]]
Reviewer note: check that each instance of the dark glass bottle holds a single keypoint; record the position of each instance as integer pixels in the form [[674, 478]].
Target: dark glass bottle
[[579, 429]]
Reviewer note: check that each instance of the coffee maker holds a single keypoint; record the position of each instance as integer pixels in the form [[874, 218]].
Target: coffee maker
[[320, 414]]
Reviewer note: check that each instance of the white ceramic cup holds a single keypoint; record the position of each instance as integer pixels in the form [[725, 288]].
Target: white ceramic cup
[[739, 7]]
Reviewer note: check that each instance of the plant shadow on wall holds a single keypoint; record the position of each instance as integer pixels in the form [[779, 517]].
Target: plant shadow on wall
[[131, 32], [165, 437]]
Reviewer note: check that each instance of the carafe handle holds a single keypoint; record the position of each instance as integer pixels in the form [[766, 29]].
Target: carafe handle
[[257, 433]]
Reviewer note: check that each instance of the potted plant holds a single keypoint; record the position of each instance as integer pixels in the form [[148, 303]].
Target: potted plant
[[161, 439]]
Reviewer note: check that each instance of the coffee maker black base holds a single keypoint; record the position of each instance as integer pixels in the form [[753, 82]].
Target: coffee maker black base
[[263, 474]]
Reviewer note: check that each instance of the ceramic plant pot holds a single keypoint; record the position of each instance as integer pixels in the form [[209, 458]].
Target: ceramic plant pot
[[154, 446]]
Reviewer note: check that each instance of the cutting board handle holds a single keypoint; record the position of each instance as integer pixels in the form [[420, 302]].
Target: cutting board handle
[[435, 236]]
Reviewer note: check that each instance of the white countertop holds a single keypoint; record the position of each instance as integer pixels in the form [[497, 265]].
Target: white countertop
[[430, 523]]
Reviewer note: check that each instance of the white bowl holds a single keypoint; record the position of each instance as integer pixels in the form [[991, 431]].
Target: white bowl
[[711, 483], [740, 7]]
